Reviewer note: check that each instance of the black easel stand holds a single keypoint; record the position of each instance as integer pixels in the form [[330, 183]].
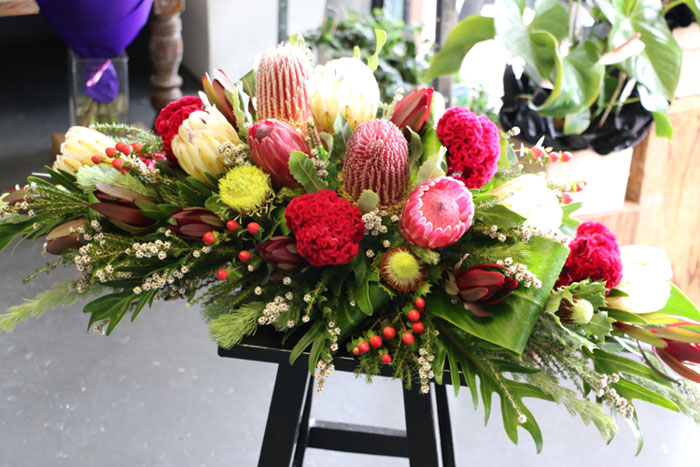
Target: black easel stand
[[289, 431]]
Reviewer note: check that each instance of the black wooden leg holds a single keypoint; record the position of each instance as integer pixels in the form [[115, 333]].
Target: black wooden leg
[[303, 437], [283, 419], [445, 426], [420, 431]]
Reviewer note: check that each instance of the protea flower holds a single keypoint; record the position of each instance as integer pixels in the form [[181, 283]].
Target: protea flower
[[402, 270], [80, 145], [376, 158], [413, 110], [281, 252], [271, 142], [682, 346], [196, 145], [120, 206], [480, 286], [64, 237], [195, 222], [343, 86], [216, 89], [281, 85], [437, 213]]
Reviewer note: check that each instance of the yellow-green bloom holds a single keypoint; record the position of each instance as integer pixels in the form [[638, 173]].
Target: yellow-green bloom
[[79, 146], [245, 189], [401, 270]]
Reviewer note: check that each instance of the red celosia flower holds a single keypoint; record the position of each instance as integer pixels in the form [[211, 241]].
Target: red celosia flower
[[472, 143], [328, 229], [170, 118], [594, 254]]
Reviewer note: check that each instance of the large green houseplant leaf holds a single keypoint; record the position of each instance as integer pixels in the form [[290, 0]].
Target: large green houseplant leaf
[[514, 318], [658, 67]]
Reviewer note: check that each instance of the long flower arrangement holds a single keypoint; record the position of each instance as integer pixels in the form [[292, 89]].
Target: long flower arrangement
[[400, 233]]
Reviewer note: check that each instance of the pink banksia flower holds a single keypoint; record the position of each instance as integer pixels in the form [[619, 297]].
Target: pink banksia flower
[[281, 85], [376, 159], [437, 213], [271, 143]]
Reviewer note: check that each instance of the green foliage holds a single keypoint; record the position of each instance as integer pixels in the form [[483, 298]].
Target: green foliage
[[303, 170], [131, 134], [398, 64], [680, 305], [89, 175], [570, 60], [513, 318], [230, 328], [473, 362], [62, 294]]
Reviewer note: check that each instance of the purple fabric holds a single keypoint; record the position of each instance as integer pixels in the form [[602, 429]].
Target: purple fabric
[[101, 81], [96, 28]]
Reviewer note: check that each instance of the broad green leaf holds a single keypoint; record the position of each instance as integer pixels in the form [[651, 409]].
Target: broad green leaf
[[460, 40], [610, 363], [575, 124], [513, 318], [551, 16], [431, 168], [431, 143], [302, 169], [498, 215], [110, 307], [663, 125], [620, 315], [373, 61], [658, 67], [630, 390], [577, 84], [680, 305], [367, 201], [415, 150]]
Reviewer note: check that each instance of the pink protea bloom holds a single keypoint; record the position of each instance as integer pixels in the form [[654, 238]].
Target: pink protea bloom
[[271, 142], [281, 85], [376, 158], [437, 213]]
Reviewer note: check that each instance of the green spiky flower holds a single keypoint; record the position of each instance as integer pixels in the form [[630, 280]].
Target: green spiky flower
[[245, 189], [402, 270]]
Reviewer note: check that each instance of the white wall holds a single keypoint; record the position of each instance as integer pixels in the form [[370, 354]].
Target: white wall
[[229, 34]]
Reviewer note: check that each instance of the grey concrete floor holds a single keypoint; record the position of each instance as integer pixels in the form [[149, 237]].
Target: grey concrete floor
[[156, 394]]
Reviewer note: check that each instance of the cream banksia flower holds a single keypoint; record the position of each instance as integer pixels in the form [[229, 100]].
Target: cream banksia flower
[[437, 213], [343, 86], [281, 85], [196, 145], [376, 159], [80, 145]]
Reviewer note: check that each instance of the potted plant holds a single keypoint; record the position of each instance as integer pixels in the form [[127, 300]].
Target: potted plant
[[592, 86]]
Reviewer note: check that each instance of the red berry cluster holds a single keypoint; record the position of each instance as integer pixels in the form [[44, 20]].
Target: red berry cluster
[[407, 337], [244, 256], [564, 191], [540, 154], [113, 153]]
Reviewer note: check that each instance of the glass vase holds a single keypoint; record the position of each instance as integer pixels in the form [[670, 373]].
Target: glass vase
[[99, 90]]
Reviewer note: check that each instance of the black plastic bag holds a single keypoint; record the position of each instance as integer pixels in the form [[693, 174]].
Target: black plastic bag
[[620, 131]]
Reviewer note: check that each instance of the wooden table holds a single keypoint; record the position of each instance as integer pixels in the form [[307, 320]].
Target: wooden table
[[165, 44]]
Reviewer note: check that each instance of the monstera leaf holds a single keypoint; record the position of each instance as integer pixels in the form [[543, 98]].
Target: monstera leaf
[[513, 318]]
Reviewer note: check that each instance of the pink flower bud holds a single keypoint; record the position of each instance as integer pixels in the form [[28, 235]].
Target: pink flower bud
[[271, 142], [413, 110]]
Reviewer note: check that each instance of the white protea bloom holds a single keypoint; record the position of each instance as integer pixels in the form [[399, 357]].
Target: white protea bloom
[[343, 86], [529, 196], [79, 146], [196, 145], [646, 272]]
